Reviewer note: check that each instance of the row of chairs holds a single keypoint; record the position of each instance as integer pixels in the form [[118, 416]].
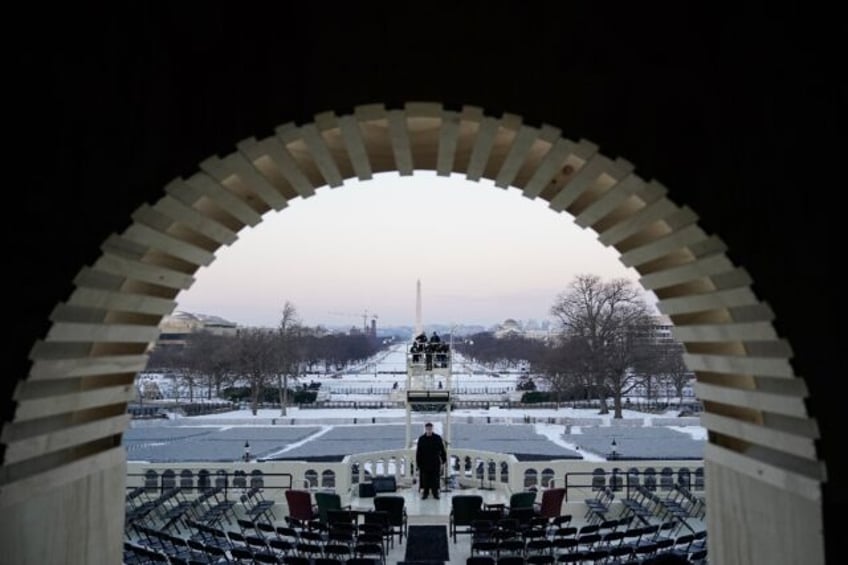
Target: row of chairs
[[343, 536], [254, 543], [173, 547], [538, 528], [698, 557], [256, 506], [613, 539], [628, 546], [173, 508], [153, 522], [646, 505], [139, 555], [308, 532], [598, 507], [328, 507], [522, 507]]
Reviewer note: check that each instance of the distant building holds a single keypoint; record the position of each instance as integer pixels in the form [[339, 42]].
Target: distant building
[[659, 332], [531, 330], [661, 329], [175, 329], [509, 328]]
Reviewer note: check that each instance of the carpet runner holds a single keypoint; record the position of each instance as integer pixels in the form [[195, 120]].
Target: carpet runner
[[427, 545]]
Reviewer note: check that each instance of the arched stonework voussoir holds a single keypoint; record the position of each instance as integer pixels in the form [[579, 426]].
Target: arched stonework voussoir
[[71, 409]]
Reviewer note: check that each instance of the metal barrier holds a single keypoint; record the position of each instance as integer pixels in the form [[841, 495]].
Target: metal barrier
[[628, 479], [201, 482]]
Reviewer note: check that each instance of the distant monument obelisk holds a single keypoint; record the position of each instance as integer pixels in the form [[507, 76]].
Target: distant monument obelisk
[[419, 327]]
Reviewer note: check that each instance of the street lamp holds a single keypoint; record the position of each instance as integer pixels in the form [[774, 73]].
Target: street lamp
[[613, 454], [246, 450]]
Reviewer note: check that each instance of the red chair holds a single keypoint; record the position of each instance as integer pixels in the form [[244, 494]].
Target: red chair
[[301, 509], [551, 504]]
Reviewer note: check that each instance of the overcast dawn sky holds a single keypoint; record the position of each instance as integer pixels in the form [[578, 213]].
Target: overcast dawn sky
[[483, 254]]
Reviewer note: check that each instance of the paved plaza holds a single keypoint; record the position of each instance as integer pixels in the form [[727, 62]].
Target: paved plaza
[[219, 443]]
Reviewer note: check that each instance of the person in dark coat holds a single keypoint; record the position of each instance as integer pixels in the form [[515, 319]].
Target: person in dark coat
[[430, 455]]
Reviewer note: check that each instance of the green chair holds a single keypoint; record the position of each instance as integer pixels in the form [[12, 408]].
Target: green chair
[[521, 506], [328, 501], [524, 499]]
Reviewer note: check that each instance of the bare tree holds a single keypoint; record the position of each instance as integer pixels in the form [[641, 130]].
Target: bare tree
[[673, 370], [206, 360], [211, 356], [178, 362], [289, 351], [610, 320], [191, 366], [567, 368], [164, 357], [255, 350]]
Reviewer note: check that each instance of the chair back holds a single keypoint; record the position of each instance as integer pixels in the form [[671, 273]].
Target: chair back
[[327, 501], [342, 516], [466, 508], [551, 505], [300, 504], [522, 499], [393, 506]]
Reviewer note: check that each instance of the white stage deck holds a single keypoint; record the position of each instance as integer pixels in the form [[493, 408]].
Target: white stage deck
[[437, 512]]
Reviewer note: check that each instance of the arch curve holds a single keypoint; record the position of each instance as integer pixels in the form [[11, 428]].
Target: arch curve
[[71, 409]]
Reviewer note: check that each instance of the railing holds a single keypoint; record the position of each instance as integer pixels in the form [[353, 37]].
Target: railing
[[467, 468], [160, 481], [632, 478]]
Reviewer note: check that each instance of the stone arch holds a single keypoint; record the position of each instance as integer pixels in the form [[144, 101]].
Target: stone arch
[[599, 479], [666, 478], [257, 479], [221, 479], [151, 480], [186, 479], [531, 478], [651, 479], [684, 477], [633, 477], [82, 372], [169, 479], [491, 471], [546, 477], [699, 479], [616, 481], [204, 481]]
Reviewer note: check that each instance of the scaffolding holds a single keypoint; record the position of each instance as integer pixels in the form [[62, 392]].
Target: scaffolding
[[429, 384]]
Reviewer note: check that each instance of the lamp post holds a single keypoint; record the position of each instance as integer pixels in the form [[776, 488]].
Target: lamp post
[[246, 450], [482, 468], [613, 454]]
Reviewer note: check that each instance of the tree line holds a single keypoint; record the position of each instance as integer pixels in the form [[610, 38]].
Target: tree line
[[606, 344], [259, 358]]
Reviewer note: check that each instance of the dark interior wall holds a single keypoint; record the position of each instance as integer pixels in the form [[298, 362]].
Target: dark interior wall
[[739, 113]]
